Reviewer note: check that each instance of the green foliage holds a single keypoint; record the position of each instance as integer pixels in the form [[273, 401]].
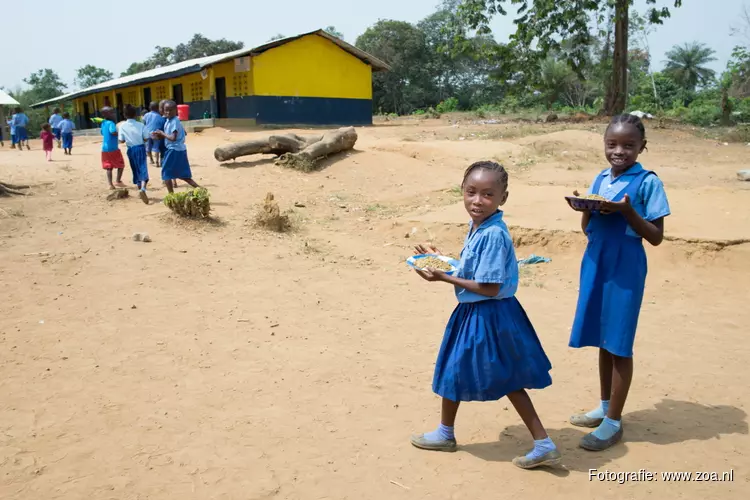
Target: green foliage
[[686, 65], [447, 106], [45, 84], [193, 203], [277, 36], [198, 46], [90, 75]]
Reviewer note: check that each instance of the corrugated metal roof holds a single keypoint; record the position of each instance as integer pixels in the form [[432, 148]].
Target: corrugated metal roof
[[195, 65]]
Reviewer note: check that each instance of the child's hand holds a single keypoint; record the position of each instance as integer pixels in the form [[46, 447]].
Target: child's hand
[[609, 207], [424, 249], [431, 274]]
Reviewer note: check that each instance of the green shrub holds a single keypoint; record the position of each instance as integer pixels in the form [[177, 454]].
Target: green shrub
[[703, 115], [447, 106], [193, 203]]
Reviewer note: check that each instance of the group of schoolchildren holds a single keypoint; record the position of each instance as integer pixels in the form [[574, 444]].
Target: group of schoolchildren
[[59, 127], [490, 348], [160, 138]]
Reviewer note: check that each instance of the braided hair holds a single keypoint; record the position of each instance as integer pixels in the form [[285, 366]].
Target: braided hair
[[628, 119], [502, 174]]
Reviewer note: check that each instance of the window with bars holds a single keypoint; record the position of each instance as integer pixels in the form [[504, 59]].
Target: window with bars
[[160, 92]]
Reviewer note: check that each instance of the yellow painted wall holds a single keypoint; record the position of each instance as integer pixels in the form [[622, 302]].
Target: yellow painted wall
[[238, 84], [311, 66]]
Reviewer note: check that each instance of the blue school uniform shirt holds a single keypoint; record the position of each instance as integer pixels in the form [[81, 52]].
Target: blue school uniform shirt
[[650, 202], [488, 256], [12, 126], [153, 121], [133, 133], [66, 126], [109, 132], [171, 126], [20, 120], [55, 120]]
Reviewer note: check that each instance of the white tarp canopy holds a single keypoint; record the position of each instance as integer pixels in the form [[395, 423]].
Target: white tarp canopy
[[7, 100]]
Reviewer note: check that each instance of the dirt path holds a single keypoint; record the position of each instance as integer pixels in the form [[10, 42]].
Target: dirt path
[[223, 362]]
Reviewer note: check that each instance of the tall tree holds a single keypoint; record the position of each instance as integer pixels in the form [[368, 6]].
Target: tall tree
[[90, 75], [331, 30], [543, 25], [686, 64], [408, 85], [45, 84]]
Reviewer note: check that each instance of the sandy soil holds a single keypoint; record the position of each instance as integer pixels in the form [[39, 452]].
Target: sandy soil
[[222, 362]]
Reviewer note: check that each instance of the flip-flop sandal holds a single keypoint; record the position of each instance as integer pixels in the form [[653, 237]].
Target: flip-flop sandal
[[548, 459], [592, 443], [420, 442], [583, 420], [144, 196]]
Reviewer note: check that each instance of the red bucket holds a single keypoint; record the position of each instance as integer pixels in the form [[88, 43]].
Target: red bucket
[[183, 112]]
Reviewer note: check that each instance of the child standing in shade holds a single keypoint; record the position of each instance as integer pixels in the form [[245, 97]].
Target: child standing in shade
[[153, 120], [54, 122], [20, 122], [66, 131], [133, 133], [175, 164], [613, 272], [111, 156], [490, 349], [47, 140]]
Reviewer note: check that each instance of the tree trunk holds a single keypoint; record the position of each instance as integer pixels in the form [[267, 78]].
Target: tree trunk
[[332, 142], [9, 189], [618, 92], [726, 108], [276, 145]]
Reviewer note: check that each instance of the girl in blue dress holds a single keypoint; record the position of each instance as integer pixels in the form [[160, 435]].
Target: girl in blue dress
[[490, 349], [174, 163], [613, 272]]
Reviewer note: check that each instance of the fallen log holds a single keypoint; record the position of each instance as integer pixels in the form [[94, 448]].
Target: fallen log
[[332, 142], [275, 145], [7, 189]]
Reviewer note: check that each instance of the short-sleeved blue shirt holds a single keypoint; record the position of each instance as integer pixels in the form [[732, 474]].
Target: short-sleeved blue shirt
[[171, 126], [20, 120], [153, 121], [55, 120], [650, 203], [67, 126], [109, 133], [488, 256]]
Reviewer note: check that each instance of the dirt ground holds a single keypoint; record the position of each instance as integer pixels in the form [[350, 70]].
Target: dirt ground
[[223, 362]]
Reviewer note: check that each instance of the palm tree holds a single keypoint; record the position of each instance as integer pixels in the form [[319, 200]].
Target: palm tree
[[686, 64]]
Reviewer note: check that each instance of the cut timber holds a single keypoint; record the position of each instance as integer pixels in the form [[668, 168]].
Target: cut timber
[[275, 145], [9, 189], [332, 142]]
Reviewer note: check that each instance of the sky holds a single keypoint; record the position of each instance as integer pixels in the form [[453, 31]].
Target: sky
[[109, 36]]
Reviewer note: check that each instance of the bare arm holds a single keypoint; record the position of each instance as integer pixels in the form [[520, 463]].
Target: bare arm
[[484, 289], [585, 218]]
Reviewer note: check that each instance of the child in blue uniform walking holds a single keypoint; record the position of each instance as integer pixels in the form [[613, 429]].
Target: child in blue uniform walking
[[490, 349], [54, 120], [613, 272], [66, 132], [174, 164]]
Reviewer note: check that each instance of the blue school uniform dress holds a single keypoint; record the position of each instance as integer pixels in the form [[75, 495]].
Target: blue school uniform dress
[[153, 122], [133, 133], [54, 122], [613, 271], [174, 164], [66, 132], [490, 347], [20, 121]]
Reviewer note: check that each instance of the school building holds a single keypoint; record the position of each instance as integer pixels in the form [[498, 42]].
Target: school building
[[309, 79]]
